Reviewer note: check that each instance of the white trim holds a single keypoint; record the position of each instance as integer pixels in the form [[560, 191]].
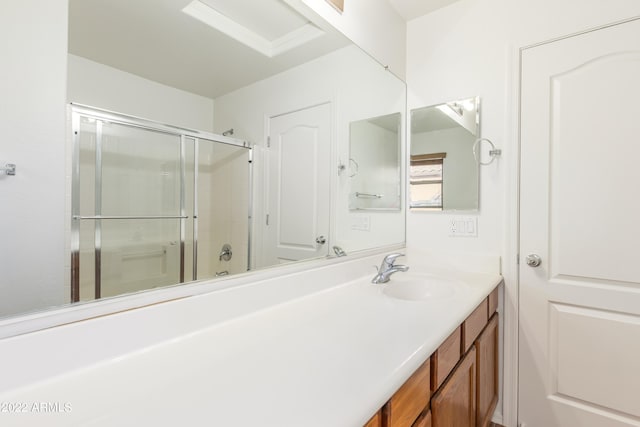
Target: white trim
[[295, 38], [208, 15], [512, 238], [333, 174]]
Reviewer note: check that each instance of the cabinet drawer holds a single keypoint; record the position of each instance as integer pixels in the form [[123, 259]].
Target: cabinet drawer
[[410, 400], [474, 324], [445, 359], [493, 302]]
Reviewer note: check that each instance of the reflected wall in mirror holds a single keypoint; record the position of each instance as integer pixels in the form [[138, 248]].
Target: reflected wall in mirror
[[443, 172], [162, 63], [374, 163]]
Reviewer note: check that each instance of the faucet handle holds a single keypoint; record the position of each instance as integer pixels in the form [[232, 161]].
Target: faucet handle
[[391, 258]]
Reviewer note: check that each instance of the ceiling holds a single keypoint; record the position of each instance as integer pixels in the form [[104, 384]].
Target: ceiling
[[431, 119], [411, 9], [156, 40]]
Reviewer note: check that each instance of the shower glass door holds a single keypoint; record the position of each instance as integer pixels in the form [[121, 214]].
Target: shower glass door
[[141, 193], [131, 209], [136, 194]]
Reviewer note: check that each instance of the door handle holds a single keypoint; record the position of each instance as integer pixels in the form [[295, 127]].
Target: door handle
[[321, 240], [533, 260]]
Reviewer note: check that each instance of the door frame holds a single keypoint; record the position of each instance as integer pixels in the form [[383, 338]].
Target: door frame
[[511, 264], [260, 175]]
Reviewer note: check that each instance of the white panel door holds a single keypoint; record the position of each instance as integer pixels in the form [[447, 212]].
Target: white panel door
[[299, 185], [579, 212]]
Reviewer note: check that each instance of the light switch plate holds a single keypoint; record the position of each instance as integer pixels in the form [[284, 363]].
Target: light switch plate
[[361, 223], [463, 226]]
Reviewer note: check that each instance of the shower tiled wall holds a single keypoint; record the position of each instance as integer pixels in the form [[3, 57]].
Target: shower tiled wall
[[223, 190]]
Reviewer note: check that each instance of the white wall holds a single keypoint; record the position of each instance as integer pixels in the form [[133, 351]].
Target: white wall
[[371, 24], [32, 128], [358, 88], [470, 48], [376, 151], [97, 85]]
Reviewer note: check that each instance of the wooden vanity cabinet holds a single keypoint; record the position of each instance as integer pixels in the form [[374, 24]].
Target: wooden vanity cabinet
[[458, 385]]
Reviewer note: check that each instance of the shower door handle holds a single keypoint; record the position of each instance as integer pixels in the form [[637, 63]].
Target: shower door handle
[[321, 240]]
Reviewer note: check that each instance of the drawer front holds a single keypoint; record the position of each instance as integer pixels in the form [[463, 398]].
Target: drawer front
[[474, 324], [410, 400], [445, 359], [493, 302]]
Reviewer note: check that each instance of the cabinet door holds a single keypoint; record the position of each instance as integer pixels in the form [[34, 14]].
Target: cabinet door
[[487, 372], [410, 400], [454, 405], [423, 420]]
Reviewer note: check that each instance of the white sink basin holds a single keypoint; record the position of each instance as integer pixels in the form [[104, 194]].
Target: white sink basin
[[416, 287]]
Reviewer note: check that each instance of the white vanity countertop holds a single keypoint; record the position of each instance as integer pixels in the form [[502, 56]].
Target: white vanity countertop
[[331, 358]]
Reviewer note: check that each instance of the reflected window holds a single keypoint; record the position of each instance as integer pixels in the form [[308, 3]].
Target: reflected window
[[425, 180]]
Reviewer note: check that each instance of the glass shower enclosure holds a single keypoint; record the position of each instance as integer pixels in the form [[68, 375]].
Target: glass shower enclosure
[[154, 205]]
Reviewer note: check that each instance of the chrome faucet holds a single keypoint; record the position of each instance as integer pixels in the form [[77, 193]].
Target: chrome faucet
[[225, 253], [387, 268]]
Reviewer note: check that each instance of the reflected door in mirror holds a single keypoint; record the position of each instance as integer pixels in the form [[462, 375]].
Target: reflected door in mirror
[[298, 207]]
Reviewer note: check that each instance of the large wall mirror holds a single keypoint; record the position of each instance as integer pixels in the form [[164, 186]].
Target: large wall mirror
[[206, 139], [443, 171]]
